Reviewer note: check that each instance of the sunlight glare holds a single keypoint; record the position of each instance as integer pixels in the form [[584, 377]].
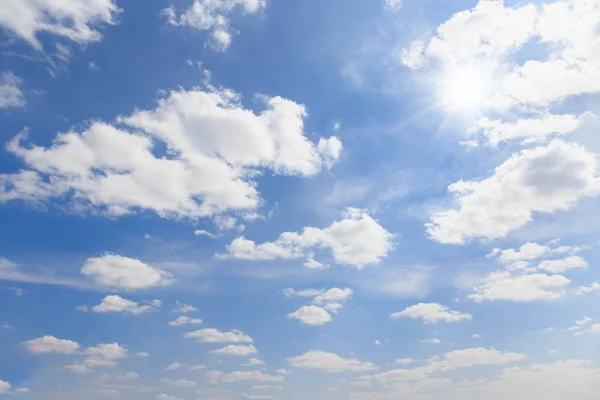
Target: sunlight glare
[[465, 89]]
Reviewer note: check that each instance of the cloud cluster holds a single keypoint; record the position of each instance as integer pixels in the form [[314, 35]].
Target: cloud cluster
[[213, 16], [214, 145], [357, 240], [325, 302], [75, 20]]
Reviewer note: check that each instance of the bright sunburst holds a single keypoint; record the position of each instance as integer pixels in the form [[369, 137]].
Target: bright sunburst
[[464, 89]]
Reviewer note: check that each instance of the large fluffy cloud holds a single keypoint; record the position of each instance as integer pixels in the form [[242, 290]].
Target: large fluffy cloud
[[214, 16], [357, 240], [214, 149], [75, 20], [124, 272], [538, 180], [316, 359], [50, 344], [505, 285]]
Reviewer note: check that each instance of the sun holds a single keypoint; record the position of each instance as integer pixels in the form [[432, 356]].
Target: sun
[[464, 89]]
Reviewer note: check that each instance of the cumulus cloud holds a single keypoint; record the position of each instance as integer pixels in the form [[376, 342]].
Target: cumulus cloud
[[184, 308], [357, 241], [432, 313], [10, 92], [207, 15], [330, 362], [215, 148], [75, 20], [539, 180], [118, 304], [211, 335], [50, 344], [505, 285], [240, 376], [527, 252], [565, 264], [311, 315], [103, 355], [173, 367], [235, 350], [182, 383], [183, 320], [124, 272]]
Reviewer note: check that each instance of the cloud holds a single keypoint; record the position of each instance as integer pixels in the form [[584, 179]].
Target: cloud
[[206, 15], [71, 19], [404, 361], [10, 93], [527, 252], [167, 397], [254, 361], [432, 341], [184, 308], [240, 376], [173, 367], [311, 315], [181, 321], [504, 285], [103, 355], [393, 5], [558, 266], [234, 350], [124, 272], [50, 344], [357, 240], [215, 148], [118, 304], [539, 180], [432, 313], [330, 362], [211, 335], [333, 295], [182, 383], [583, 290]]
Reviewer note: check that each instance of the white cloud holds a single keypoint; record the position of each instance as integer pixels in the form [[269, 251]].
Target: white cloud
[[124, 272], [142, 354], [72, 19], [127, 376], [234, 350], [10, 93], [311, 315], [282, 371], [167, 397], [583, 290], [5, 387], [183, 320], [432, 313], [118, 304], [539, 180], [432, 341], [184, 308], [316, 359], [50, 344], [413, 56], [173, 367], [216, 147], [207, 15], [291, 292], [182, 383], [211, 335], [334, 295], [266, 387], [253, 362], [240, 376], [558, 266], [530, 129], [404, 361], [527, 252], [202, 232], [393, 4], [103, 355], [357, 240], [504, 285]]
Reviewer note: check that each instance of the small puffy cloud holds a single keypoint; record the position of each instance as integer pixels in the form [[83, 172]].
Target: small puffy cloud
[[432, 341], [182, 383], [103, 355], [202, 232], [206, 15], [127, 376], [240, 376], [282, 371], [357, 240], [142, 354], [334, 295], [118, 304], [71, 19], [10, 92], [124, 272], [50, 344], [291, 292], [254, 361], [527, 252], [475, 357], [558, 266], [538, 180], [184, 308], [235, 350], [583, 290], [413, 56], [432, 313], [404, 361], [504, 285], [173, 367], [316, 359], [167, 397], [211, 335], [393, 4], [311, 315], [183, 320], [5, 387]]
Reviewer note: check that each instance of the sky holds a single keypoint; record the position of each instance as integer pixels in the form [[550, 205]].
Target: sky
[[299, 199]]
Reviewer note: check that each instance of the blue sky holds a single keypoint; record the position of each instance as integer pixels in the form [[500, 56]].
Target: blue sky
[[260, 199]]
